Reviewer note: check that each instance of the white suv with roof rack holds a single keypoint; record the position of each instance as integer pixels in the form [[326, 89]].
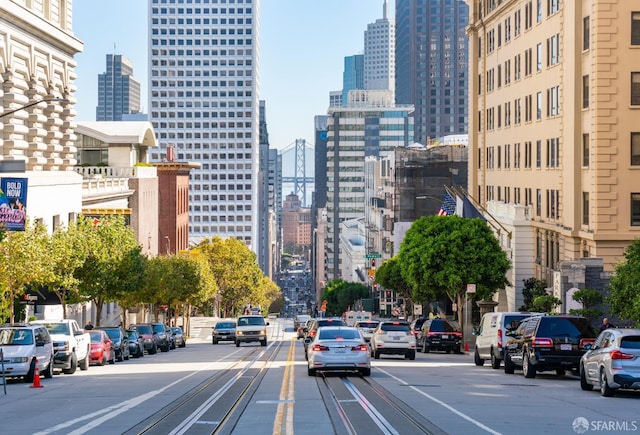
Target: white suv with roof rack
[[25, 347]]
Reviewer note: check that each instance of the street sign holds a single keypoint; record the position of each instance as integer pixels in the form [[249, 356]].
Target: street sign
[[373, 255], [471, 288]]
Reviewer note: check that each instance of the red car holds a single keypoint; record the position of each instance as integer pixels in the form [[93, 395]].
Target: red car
[[102, 349]]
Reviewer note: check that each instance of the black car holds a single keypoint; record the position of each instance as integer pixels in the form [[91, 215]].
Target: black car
[[543, 343], [136, 343], [120, 341], [439, 334], [162, 333]]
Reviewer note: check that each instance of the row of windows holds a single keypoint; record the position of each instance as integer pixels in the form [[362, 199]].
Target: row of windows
[[187, 115], [199, 21], [200, 11], [216, 198], [198, 126], [199, 42], [551, 203], [191, 53], [635, 209], [215, 229], [201, 2], [496, 155], [634, 147], [215, 187], [635, 30], [634, 90]]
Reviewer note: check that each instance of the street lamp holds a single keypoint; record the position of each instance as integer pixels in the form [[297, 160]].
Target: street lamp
[[33, 103]]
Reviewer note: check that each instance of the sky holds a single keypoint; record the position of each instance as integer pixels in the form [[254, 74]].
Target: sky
[[302, 48]]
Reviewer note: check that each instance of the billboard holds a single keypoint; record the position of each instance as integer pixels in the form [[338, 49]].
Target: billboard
[[13, 203]]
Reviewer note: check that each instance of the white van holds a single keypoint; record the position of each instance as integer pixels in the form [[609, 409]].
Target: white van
[[24, 346], [491, 338]]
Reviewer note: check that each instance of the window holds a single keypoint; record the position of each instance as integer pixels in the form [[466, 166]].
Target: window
[[527, 154], [553, 101], [538, 202], [553, 6], [635, 28], [635, 149], [586, 33], [553, 50], [539, 57], [538, 153], [585, 208], [528, 15], [539, 106], [516, 23], [635, 209], [635, 88], [553, 153], [539, 11], [585, 150], [585, 92]]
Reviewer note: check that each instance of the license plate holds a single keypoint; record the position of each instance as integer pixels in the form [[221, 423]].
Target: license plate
[[445, 336], [339, 350], [565, 347], [396, 337]]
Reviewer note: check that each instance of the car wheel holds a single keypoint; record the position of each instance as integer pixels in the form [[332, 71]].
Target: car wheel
[[119, 357], [214, 341], [495, 362], [411, 355], [605, 389], [48, 372], [113, 358], [560, 372], [476, 358], [72, 368], [102, 360], [154, 349], [584, 385], [376, 354], [311, 372], [448, 351], [128, 354], [528, 370], [366, 372], [84, 363], [263, 342], [141, 351], [509, 368], [237, 343], [184, 344]]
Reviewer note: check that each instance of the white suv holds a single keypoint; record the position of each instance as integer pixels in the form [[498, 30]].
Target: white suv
[[22, 346], [393, 338], [491, 338], [251, 328]]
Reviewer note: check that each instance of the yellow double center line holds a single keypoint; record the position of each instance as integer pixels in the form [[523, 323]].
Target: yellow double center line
[[284, 414]]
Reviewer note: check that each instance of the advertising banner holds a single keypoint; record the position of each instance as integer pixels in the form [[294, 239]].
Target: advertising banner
[[13, 203]]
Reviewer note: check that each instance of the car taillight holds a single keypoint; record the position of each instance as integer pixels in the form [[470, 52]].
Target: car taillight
[[431, 334], [319, 348], [616, 354], [457, 334], [542, 342], [312, 333], [360, 348], [499, 338], [585, 341]]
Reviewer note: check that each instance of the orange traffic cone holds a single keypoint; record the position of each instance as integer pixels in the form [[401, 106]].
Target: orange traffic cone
[[466, 346], [36, 377]]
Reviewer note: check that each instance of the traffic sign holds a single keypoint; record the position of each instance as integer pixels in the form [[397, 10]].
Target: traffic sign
[[373, 255]]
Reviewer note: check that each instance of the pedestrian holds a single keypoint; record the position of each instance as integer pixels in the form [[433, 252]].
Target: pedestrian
[[88, 326], [605, 324]]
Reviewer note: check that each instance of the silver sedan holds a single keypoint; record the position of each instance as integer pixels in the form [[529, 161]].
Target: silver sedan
[[613, 362], [338, 348]]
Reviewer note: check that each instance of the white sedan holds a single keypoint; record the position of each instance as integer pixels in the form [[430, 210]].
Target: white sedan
[[338, 348]]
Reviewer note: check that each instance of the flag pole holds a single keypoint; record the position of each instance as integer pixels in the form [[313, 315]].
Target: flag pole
[[509, 233]]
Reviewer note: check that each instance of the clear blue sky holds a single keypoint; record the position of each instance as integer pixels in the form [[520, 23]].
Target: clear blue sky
[[302, 48]]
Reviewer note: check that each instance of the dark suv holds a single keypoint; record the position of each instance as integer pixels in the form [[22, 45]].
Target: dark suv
[[162, 334], [439, 334], [120, 341], [543, 343]]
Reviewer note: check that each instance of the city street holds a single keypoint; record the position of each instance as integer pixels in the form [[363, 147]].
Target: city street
[[207, 388]]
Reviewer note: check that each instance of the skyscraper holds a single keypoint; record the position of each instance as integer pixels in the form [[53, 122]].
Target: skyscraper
[[118, 91], [431, 65], [204, 102], [353, 75], [379, 53]]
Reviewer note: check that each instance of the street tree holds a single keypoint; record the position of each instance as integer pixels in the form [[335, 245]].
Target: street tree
[[532, 288], [440, 255], [545, 303], [341, 295], [389, 275], [624, 294], [589, 298]]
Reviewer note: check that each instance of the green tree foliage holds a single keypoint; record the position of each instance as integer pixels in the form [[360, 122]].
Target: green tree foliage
[[389, 275], [624, 287], [340, 295], [545, 303], [440, 255], [589, 298], [23, 261], [532, 289]]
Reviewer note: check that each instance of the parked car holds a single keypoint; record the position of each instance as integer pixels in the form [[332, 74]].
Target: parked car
[[491, 337], [251, 328], [150, 340], [613, 362], [367, 328], [25, 347], [162, 335], [136, 343], [120, 341], [223, 330], [543, 343], [393, 338], [439, 334], [179, 339], [102, 349], [338, 348], [317, 323]]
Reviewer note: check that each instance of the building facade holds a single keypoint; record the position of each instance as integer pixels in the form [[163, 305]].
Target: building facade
[[118, 90], [379, 52], [204, 102], [431, 65], [353, 75], [554, 145]]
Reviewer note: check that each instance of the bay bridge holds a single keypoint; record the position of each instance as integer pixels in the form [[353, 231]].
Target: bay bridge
[[297, 151]]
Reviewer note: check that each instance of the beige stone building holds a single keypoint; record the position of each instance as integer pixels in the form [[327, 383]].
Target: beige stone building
[[554, 137]]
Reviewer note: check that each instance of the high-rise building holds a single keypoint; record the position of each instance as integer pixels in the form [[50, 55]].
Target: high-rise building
[[353, 74], [375, 126], [118, 90], [379, 52], [554, 145], [431, 65], [203, 101]]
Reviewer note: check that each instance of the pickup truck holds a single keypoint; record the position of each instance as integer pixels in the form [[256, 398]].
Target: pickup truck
[[71, 345]]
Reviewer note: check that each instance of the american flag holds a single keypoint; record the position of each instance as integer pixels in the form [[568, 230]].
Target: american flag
[[448, 206]]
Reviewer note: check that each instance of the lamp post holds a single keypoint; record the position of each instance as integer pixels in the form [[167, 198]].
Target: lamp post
[[33, 103]]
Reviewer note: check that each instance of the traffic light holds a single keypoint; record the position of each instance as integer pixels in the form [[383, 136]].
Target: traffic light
[[373, 262]]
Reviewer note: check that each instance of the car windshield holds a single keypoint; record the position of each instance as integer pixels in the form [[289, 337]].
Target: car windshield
[[565, 327], [444, 326], [17, 337], [514, 318], [366, 324], [630, 342], [333, 334], [132, 335], [57, 328], [244, 321], [158, 327], [226, 325], [113, 334], [177, 330], [96, 337], [144, 329], [330, 322], [395, 327]]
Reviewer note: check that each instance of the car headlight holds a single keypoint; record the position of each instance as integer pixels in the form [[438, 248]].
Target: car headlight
[[263, 332], [239, 333], [19, 359], [148, 340]]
